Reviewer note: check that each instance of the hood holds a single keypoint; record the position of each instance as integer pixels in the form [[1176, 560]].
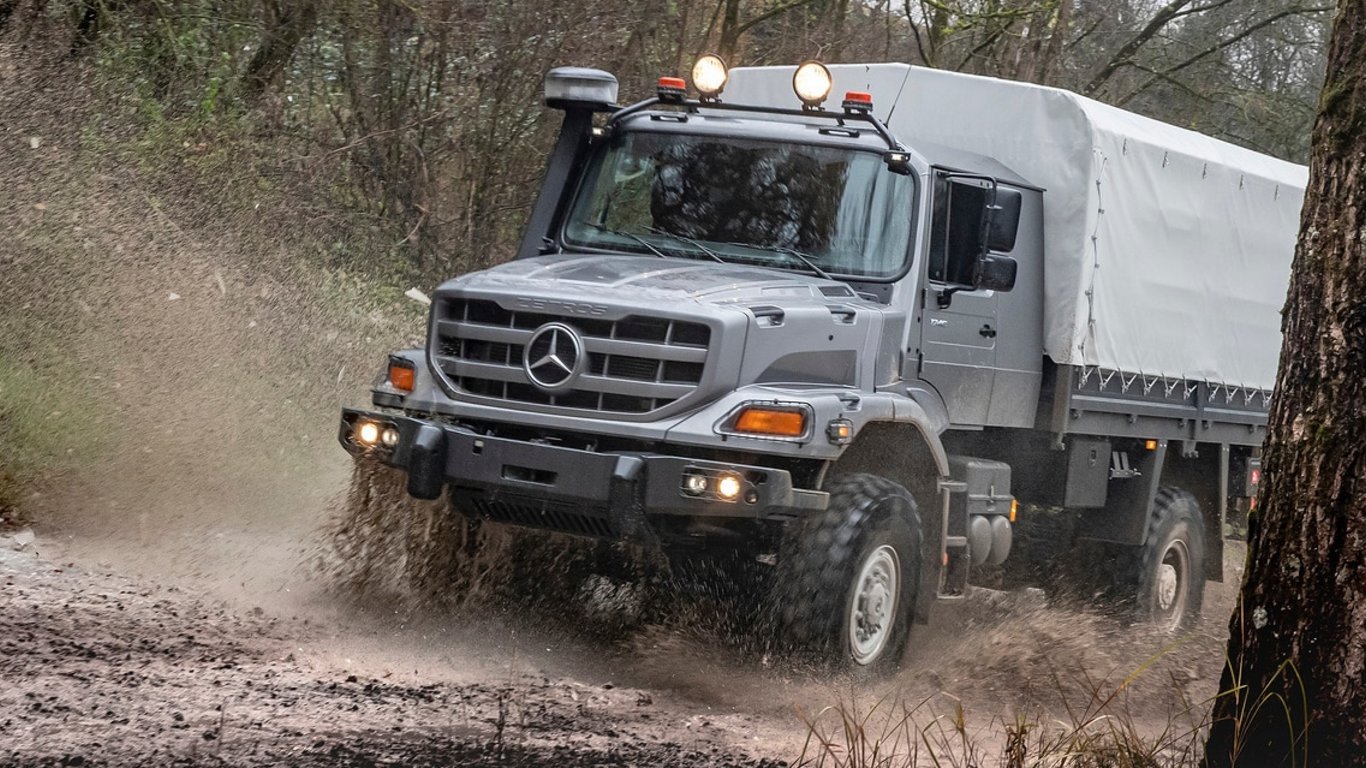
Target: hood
[[651, 278]]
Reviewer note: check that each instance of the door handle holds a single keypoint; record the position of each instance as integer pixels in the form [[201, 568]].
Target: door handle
[[988, 331]]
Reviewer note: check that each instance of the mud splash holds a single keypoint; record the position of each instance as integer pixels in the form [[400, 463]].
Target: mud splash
[[381, 546]]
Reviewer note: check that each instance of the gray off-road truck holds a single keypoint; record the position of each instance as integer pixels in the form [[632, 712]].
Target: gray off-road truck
[[860, 346]]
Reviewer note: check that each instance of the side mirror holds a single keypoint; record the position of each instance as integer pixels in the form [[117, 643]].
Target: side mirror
[[1004, 220], [996, 272]]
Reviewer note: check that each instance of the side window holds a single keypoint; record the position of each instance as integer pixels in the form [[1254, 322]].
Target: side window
[[956, 231]]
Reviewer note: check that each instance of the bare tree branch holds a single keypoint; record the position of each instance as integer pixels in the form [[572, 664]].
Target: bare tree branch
[[1166, 74], [761, 18], [1126, 52]]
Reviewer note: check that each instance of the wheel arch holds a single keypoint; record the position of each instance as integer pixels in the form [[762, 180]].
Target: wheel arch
[[909, 453], [1203, 473]]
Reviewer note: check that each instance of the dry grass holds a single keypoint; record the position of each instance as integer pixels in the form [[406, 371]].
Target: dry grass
[[936, 731]]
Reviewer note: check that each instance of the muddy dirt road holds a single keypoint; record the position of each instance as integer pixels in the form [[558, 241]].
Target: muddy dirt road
[[100, 669], [106, 669]]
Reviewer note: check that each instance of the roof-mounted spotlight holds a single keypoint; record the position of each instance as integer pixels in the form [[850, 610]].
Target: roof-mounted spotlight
[[709, 75], [811, 82]]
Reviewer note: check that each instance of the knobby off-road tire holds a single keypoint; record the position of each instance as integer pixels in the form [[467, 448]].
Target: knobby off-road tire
[[1171, 563], [847, 578]]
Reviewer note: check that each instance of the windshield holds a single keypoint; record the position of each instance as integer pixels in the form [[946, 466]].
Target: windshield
[[809, 208]]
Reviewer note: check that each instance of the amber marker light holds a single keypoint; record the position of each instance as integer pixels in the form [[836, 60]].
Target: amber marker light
[[402, 374], [858, 101], [778, 422], [1151, 445], [1014, 509], [673, 89]]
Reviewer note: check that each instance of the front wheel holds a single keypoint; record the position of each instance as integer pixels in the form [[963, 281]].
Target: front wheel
[[848, 577]]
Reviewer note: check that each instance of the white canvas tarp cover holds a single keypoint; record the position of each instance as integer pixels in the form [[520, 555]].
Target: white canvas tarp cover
[[1167, 252]]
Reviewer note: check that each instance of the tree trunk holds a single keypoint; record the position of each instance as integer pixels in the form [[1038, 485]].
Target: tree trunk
[[1293, 686], [730, 31], [287, 24]]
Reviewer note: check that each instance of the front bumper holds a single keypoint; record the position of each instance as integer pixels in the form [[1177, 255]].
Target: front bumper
[[604, 495]]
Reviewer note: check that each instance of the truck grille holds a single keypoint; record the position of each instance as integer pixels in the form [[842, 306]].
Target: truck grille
[[635, 364]]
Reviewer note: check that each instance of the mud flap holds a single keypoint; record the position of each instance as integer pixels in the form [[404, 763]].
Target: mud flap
[[427, 462]]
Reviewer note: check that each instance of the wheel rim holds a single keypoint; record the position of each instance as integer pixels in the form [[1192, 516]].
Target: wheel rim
[[1171, 586], [872, 612]]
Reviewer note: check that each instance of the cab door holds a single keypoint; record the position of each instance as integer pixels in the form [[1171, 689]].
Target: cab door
[[958, 324]]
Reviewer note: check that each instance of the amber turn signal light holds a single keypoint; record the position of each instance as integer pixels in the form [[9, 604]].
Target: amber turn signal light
[[402, 375], [779, 422]]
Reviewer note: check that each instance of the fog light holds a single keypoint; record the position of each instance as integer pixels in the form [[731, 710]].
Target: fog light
[[367, 433], [694, 485], [389, 437], [728, 487]]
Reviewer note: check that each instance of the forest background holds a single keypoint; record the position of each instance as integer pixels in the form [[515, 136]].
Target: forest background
[[411, 134]]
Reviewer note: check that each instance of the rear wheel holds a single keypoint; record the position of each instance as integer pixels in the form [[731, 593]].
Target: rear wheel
[[1171, 577], [847, 578]]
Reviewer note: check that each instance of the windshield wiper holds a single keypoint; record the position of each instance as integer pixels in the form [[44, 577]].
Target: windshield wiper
[[633, 236], [805, 259], [792, 253], [699, 246]]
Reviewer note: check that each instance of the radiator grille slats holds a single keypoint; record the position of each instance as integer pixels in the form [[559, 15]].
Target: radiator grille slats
[[636, 364]]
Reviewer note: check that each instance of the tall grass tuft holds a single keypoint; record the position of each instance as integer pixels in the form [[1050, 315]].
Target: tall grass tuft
[[936, 731]]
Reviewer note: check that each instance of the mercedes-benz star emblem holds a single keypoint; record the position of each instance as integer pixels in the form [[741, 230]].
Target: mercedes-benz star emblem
[[553, 356]]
